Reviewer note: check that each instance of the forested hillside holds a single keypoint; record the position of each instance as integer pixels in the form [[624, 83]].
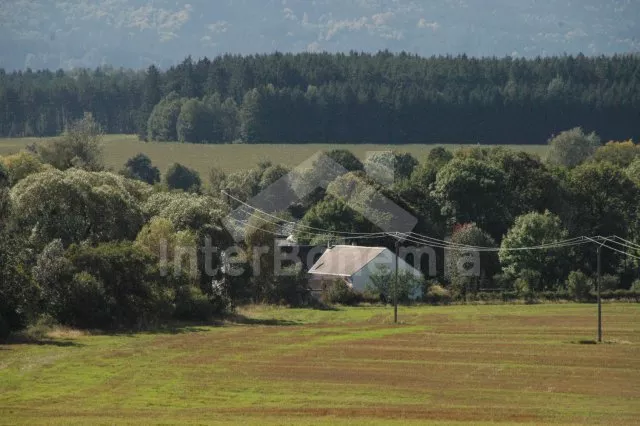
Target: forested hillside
[[137, 33], [382, 98]]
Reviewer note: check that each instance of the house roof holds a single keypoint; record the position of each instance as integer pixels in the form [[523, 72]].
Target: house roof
[[306, 254], [344, 261]]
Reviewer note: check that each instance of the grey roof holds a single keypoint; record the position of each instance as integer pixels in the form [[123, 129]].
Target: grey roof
[[344, 261]]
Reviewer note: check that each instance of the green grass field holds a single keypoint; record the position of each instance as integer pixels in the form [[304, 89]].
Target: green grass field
[[476, 364], [119, 148]]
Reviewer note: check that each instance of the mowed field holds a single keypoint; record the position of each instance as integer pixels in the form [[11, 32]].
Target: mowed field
[[521, 364], [119, 148]]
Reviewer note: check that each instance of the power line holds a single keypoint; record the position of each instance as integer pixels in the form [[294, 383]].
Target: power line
[[637, 246], [452, 246], [316, 234], [423, 239], [609, 239], [246, 223], [625, 243], [280, 220]]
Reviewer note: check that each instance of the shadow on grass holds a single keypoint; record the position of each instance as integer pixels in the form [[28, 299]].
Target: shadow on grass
[[584, 342], [171, 328], [242, 319], [25, 340]]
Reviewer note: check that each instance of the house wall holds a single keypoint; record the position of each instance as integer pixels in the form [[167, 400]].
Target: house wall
[[318, 284], [387, 258]]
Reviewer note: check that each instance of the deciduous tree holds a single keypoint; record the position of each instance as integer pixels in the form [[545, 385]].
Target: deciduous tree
[[549, 265], [572, 147]]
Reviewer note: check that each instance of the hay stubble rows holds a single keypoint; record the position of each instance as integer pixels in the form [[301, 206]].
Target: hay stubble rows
[[520, 364]]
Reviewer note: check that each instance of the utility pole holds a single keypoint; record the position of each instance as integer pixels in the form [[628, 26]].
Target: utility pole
[[395, 285], [598, 285], [601, 241]]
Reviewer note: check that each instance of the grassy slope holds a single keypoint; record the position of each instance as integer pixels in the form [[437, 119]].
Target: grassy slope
[[119, 148], [519, 364]]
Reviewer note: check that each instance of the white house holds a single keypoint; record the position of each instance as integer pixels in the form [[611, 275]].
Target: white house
[[355, 265]]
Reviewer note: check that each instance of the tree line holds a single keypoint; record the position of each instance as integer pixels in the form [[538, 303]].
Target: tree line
[[356, 97], [93, 248]]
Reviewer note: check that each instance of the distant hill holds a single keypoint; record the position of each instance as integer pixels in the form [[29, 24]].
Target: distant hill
[[136, 33]]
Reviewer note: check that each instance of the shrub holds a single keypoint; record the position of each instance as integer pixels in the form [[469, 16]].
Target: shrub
[[521, 286], [290, 286], [220, 298], [437, 295], [18, 291], [551, 295], [79, 146], [21, 165], [123, 281], [579, 285], [346, 159], [53, 272], [635, 287], [510, 296], [609, 282], [389, 167], [192, 304], [140, 168], [340, 292], [619, 295], [87, 304], [184, 178], [5, 177], [382, 283], [4, 328]]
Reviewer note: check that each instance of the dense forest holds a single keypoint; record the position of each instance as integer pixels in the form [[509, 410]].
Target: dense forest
[[92, 248], [293, 98]]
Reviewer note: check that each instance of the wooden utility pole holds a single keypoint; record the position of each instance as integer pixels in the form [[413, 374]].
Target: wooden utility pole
[[598, 285], [395, 285]]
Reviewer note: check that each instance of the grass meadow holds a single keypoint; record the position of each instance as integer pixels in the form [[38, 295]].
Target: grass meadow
[[518, 364], [119, 148]]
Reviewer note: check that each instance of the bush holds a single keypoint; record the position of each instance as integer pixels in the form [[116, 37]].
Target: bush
[[438, 295], [140, 168], [346, 159], [618, 295], [79, 146], [510, 296], [5, 176], [220, 297], [635, 286], [290, 286], [609, 282], [389, 167], [53, 273], [341, 293], [87, 304], [579, 285], [192, 304], [124, 284], [487, 296], [184, 178], [18, 292], [382, 283], [21, 165], [4, 328], [551, 295]]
